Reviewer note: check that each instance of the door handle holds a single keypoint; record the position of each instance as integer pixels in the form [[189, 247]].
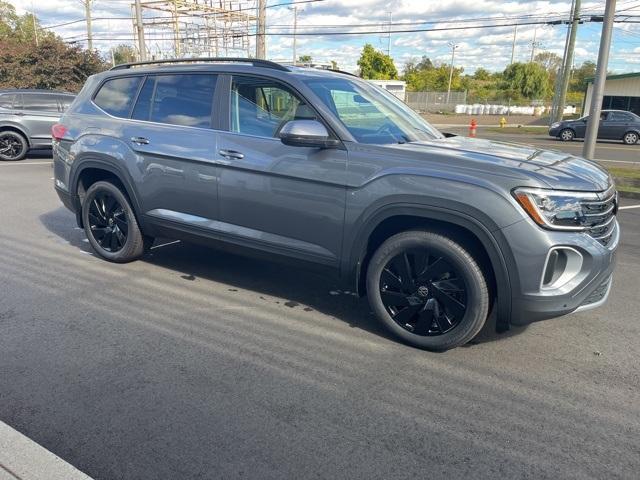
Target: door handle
[[231, 154], [140, 140], [20, 114]]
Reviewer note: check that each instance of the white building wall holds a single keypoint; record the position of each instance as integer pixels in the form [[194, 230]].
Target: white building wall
[[624, 87]]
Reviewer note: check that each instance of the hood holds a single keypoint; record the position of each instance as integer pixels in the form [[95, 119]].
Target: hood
[[549, 168]]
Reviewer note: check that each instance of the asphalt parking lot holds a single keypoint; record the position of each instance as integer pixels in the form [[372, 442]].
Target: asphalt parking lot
[[199, 364]]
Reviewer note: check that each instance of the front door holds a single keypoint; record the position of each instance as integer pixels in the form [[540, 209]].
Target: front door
[[272, 196]]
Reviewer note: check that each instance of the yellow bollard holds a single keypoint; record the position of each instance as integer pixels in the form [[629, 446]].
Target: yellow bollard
[[503, 122]]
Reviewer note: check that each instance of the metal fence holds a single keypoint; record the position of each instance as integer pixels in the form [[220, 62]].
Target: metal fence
[[435, 101]]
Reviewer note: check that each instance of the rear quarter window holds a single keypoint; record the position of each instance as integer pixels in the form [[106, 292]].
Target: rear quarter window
[[116, 96]]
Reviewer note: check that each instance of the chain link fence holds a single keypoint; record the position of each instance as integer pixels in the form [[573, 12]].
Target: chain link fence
[[433, 102]]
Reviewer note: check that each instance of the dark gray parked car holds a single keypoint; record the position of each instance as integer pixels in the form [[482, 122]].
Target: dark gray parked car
[[614, 125], [26, 117], [325, 168]]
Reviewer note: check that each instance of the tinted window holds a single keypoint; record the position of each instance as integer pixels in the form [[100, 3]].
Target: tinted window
[[6, 101], [620, 117], [261, 107], [177, 100], [39, 102], [64, 101], [116, 96]]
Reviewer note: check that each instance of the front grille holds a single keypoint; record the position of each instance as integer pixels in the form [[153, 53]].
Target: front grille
[[600, 215]]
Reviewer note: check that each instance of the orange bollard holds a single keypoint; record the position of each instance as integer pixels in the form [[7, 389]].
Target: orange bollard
[[473, 127]]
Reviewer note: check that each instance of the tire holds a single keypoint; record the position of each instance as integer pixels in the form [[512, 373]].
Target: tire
[[438, 300], [630, 138], [13, 146], [111, 225], [566, 135]]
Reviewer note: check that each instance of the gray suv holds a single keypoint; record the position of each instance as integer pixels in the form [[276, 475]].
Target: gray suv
[[26, 117], [325, 168]]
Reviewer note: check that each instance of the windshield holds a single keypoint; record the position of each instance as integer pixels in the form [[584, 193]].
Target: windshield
[[371, 114]]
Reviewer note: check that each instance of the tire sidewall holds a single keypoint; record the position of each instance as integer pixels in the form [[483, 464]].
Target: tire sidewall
[[23, 141], [130, 251], [477, 294], [570, 132], [624, 138]]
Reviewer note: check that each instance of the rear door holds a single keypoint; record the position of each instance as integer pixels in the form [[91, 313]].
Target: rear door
[[39, 113], [171, 128], [273, 196], [617, 125]]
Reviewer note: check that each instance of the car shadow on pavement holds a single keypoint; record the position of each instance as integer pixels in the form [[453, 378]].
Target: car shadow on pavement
[[291, 285]]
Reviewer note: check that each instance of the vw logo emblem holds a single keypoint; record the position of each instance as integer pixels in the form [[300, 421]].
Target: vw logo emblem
[[423, 291]]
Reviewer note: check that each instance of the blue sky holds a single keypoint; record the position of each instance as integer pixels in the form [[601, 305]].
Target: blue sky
[[488, 48]]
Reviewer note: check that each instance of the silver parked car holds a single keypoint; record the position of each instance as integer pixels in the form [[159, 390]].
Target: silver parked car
[[26, 118]]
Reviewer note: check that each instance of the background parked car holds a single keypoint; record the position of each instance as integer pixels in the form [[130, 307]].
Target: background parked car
[[614, 125], [26, 118]]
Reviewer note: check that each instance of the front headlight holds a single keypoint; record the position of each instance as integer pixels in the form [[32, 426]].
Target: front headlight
[[555, 209], [555, 125]]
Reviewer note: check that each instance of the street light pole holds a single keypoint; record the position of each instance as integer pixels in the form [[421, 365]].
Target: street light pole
[[513, 45], [568, 61], [593, 121], [453, 55], [295, 33]]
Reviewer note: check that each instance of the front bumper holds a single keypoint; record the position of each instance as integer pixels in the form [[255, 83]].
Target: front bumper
[[554, 132], [587, 288]]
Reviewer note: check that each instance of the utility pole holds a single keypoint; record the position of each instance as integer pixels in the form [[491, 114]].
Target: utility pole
[[295, 33], [453, 54], [389, 35], [534, 44], [568, 61], [140, 29], [513, 45], [261, 49], [593, 121], [35, 27], [87, 14]]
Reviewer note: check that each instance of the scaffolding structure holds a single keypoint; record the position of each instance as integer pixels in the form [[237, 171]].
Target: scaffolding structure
[[196, 28]]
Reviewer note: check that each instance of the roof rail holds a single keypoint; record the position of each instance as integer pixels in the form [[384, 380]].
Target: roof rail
[[254, 61]]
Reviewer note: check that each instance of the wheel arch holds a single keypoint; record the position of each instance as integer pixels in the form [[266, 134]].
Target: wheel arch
[[15, 128], [472, 234], [92, 170]]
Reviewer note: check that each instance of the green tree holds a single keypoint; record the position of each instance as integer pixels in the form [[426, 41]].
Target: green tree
[[376, 65], [528, 80], [580, 75], [304, 59], [481, 74], [124, 54]]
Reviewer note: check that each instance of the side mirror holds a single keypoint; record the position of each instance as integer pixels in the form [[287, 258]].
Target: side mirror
[[307, 133]]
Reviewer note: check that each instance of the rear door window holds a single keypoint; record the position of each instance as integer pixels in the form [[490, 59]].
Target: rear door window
[[183, 100], [39, 102], [6, 101], [116, 96]]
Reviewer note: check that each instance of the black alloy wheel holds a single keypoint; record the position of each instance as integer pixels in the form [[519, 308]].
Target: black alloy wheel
[[111, 225], [423, 293], [108, 222], [13, 146], [428, 289]]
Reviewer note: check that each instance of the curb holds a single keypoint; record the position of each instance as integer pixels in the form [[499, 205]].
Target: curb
[[23, 459]]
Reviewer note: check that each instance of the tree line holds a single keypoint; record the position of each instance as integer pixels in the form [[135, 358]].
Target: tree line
[[517, 83]]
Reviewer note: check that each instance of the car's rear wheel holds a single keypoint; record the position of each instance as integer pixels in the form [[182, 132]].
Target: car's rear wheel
[[630, 138], [111, 225], [13, 146], [567, 135], [428, 290]]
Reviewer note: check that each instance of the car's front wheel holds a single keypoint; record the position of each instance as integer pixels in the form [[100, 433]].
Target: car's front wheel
[[630, 138], [111, 225], [13, 146], [567, 135], [428, 290]]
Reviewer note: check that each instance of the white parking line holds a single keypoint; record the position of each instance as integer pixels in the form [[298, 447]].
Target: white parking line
[[628, 207], [17, 164]]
